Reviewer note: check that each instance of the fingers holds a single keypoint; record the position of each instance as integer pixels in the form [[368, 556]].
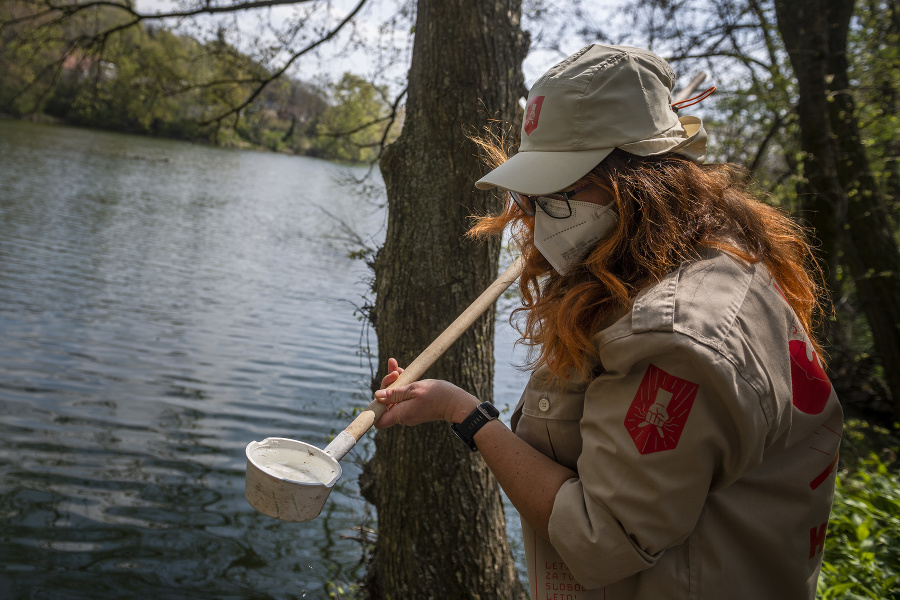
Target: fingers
[[389, 379], [412, 404], [397, 394], [399, 411], [394, 371], [395, 415]]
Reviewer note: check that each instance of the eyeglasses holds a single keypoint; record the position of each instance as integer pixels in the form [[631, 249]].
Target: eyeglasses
[[549, 203]]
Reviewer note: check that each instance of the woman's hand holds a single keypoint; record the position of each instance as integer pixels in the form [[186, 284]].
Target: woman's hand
[[422, 401], [530, 479]]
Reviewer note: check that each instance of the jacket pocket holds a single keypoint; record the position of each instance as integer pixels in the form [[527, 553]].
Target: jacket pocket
[[550, 420]]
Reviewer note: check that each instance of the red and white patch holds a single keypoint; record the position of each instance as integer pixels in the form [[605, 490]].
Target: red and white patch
[[659, 410], [532, 114], [810, 386]]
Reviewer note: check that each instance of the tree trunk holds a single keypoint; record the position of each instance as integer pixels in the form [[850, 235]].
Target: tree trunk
[[843, 201], [441, 527]]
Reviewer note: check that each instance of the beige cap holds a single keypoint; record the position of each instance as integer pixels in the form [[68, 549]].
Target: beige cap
[[598, 99]]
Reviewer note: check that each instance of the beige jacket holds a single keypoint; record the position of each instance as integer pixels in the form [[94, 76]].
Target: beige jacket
[[705, 449]]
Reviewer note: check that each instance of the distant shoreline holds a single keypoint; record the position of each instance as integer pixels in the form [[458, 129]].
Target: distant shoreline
[[43, 119]]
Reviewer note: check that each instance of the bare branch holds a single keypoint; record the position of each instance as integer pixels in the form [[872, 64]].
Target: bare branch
[[777, 124], [394, 108], [390, 118], [68, 10], [723, 54], [266, 81], [766, 28], [364, 126]]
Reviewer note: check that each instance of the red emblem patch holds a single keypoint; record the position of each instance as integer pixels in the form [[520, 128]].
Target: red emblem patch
[[532, 114], [810, 387], [659, 410]]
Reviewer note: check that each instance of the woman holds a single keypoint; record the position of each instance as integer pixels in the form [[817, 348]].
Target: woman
[[678, 435]]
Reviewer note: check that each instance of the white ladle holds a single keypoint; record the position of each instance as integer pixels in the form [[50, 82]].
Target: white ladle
[[291, 480]]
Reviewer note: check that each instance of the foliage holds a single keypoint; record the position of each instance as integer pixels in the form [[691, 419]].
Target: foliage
[[353, 125], [862, 551], [341, 590], [874, 51], [149, 80]]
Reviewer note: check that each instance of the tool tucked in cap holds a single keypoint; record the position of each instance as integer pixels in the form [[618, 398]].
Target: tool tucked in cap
[[598, 99]]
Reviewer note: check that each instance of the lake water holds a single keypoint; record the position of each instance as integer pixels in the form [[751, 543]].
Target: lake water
[[162, 304]]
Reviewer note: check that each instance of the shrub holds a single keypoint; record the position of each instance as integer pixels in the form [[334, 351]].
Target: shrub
[[862, 551]]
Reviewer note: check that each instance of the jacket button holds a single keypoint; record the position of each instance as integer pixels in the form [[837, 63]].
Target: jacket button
[[544, 404]]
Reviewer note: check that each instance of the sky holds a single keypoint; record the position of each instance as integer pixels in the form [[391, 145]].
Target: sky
[[374, 27], [331, 59]]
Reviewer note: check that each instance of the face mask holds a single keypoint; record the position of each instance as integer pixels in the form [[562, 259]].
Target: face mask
[[564, 242]]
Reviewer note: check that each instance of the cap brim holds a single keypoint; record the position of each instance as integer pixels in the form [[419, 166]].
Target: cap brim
[[542, 172]]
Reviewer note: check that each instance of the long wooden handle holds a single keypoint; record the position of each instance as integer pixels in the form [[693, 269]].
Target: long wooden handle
[[367, 418], [364, 421]]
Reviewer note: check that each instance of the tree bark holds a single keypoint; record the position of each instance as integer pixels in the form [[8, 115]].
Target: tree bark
[[441, 527], [841, 198]]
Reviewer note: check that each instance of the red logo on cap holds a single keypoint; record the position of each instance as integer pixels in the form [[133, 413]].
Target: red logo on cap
[[659, 410], [532, 114]]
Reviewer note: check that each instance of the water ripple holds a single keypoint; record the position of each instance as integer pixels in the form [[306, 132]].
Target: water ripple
[[157, 315], [161, 305]]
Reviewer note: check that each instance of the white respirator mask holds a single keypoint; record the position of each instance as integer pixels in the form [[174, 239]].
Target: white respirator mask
[[564, 242]]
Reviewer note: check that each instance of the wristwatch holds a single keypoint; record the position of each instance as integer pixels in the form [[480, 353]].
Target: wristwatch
[[478, 418]]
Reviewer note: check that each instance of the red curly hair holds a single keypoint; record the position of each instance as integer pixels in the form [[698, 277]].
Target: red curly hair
[[669, 207]]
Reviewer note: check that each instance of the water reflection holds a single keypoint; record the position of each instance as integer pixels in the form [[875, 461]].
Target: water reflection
[[162, 304]]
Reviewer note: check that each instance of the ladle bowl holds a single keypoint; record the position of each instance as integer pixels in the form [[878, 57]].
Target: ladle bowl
[[289, 480]]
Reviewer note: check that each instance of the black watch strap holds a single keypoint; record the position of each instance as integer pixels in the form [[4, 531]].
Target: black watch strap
[[478, 418]]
